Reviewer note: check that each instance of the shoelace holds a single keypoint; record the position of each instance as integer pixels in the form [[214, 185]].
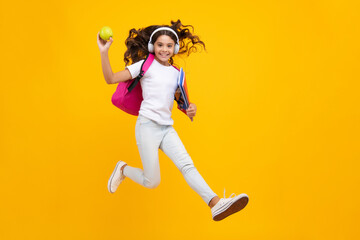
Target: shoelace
[[232, 195], [221, 203]]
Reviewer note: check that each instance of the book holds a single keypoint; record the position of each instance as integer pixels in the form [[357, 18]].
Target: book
[[182, 93]]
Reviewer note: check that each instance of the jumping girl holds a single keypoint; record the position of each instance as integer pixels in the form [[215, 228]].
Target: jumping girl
[[154, 128]]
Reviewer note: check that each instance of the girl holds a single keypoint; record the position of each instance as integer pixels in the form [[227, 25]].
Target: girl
[[154, 128]]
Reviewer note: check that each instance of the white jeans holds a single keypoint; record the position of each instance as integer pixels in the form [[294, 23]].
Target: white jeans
[[151, 136]]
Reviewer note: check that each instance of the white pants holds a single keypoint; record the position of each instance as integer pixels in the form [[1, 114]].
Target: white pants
[[151, 136]]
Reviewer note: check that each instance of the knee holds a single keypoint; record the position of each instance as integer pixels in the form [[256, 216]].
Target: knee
[[187, 168], [151, 183]]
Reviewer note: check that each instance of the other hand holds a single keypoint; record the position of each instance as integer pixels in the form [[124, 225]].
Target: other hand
[[191, 111]]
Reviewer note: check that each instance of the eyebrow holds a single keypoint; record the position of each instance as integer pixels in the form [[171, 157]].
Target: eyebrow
[[166, 43]]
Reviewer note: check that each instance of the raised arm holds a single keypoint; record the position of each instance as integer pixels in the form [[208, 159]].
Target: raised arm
[[109, 76]]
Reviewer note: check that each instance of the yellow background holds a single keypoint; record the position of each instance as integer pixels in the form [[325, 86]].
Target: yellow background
[[278, 118]]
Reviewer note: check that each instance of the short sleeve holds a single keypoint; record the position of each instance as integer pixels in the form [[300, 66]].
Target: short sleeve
[[135, 68]]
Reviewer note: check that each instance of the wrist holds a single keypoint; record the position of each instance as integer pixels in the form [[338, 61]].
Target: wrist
[[104, 52]]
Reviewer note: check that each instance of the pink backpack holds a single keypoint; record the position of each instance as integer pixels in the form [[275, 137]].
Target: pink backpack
[[128, 94]]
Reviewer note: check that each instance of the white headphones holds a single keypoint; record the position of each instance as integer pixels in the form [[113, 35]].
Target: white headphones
[[151, 46]]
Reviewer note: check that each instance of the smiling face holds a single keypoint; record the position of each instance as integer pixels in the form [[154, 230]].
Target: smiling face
[[164, 49]]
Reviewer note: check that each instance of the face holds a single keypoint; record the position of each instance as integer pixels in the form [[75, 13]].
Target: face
[[164, 49]]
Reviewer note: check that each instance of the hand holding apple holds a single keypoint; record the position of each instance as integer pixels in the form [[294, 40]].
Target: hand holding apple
[[105, 33]]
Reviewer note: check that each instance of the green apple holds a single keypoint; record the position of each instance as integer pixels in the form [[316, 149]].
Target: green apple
[[106, 33]]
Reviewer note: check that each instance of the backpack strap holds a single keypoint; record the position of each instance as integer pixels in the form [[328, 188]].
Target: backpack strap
[[144, 67]]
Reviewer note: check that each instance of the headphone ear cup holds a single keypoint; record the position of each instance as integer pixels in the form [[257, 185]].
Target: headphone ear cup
[[151, 47], [176, 49]]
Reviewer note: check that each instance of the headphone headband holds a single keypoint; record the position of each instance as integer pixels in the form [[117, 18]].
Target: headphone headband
[[164, 28]]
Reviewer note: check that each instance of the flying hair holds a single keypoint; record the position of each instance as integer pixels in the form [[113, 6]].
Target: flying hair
[[137, 41]]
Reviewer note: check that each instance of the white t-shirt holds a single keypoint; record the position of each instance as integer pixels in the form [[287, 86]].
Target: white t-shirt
[[158, 88]]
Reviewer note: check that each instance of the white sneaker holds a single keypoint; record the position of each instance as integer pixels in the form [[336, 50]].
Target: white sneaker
[[116, 177], [227, 206]]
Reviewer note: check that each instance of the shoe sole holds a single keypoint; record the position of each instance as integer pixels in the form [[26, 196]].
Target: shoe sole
[[112, 176], [233, 207]]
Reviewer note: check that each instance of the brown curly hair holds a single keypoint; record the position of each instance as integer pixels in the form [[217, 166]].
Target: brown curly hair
[[137, 41]]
